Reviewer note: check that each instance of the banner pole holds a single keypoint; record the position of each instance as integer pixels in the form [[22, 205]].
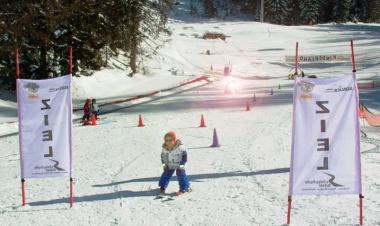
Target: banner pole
[[296, 59], [23, 190], [23, 193], [361, 209], [71, 192], [17, 65], [71, 61], [289, 209], [360, 195], [353, 57], [71, 134]]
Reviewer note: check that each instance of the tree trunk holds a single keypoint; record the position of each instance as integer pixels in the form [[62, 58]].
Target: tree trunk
[[136, 11], [43, 72]]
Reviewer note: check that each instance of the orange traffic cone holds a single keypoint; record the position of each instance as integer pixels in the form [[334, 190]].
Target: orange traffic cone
[[247, 108], [203, 124], [141, 124], [93, 120]]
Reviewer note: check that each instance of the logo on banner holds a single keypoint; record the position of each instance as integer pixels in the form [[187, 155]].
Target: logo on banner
[[32, 90], [58, 89], [328, 184], [332, 178], [49, 169], [339, 89], [56, 165], [306, 89]]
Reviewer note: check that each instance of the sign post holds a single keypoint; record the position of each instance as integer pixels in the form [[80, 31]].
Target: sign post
[[23, 186], [354, 72], [45, 128], [326, 161], [327, 58]]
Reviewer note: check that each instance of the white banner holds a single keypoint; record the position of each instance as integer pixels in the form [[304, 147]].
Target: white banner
[[320, 58], [45, 127], [326, 137]]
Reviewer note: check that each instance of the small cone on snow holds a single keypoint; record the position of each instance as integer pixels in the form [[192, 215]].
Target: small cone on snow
[[93, 120], [211, 68], [271, 91], [203, 124], [141, 124], [279, 86], [248, 107], [254, 98], [215, 141]]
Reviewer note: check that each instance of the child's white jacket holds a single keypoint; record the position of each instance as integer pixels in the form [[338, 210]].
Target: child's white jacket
[[175, 157]]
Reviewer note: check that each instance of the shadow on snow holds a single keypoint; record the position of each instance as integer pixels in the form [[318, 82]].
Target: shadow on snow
[[154, 192]]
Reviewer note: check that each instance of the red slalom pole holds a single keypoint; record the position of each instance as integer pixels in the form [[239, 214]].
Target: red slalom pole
[[71, 61], [71, 179], [296, 59], [289, 209], [361, 209], [23, 193], [353, 57], [71, 192], [360, 195]]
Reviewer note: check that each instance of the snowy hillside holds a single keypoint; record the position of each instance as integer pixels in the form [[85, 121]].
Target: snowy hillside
[[245, 181]]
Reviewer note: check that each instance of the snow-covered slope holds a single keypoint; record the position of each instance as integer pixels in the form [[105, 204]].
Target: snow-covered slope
[[245, 181]]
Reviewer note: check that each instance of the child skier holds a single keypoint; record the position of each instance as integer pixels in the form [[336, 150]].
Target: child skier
[[94, 109], [86, 111], [173, 158]]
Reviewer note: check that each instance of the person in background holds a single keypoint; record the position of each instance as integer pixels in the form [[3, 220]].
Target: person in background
[[86, 110], [94, 109]]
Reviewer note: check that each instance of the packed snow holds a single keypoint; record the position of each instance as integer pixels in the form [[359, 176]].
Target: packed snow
[[243, 182]]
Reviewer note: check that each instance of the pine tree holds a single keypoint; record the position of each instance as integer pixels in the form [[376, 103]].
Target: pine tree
[[374, 10], [275, 11], [366, 10], [193, 9], [209, 8], [310, 11], [359, 10], [341, 10], [44, 31], [293, 15]]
